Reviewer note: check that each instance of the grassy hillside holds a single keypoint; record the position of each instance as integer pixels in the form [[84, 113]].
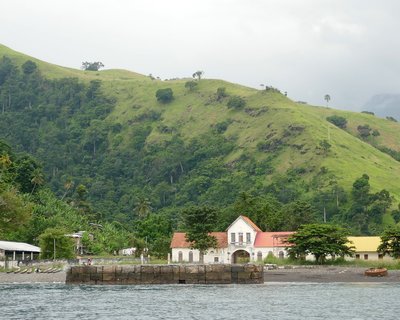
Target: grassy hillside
[[270, 131]]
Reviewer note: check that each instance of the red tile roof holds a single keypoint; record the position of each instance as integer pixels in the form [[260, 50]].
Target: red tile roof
[[179, 240], [272, 239], [251, 223]]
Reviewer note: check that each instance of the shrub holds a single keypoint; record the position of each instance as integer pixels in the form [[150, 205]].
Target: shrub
[[164, 95], [364, 130], [236, 102], [338, 121], [221, 93]]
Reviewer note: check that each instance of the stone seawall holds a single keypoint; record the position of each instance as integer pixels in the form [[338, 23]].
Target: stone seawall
[[166, 274]]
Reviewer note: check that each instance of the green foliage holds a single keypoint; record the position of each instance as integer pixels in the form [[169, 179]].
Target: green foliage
[[191, 85], [54, 244], [199, 222], [179, 156], [15, 213], [338, 121], [29, 67], [320, 240], [364, 130], [92, 66], [164, 95], [236, 102], [390, 242], [221, 93]]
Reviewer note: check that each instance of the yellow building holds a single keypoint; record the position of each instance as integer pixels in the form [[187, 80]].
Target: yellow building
[[366, 248]]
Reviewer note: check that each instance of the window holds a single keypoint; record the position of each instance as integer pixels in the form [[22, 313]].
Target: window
[[233, 237], [259, 256], [281, 255], [357, 256], [380, 256], [216, 259], [180, 256], [248, 237], [240, 237], [365, 257], [190, 256]]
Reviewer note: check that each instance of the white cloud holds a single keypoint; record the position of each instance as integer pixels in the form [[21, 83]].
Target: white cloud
[[308, 48]]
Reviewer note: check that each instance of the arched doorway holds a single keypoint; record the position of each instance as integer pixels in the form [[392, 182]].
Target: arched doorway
[[240, 256]]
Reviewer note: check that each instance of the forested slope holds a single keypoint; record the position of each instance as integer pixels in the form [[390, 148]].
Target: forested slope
[[136, 158]]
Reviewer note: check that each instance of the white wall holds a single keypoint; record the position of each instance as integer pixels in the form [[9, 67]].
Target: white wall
[[208, 258], [240, 226]]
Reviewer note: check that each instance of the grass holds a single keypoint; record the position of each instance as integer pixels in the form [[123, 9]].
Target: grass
[[193, 113]]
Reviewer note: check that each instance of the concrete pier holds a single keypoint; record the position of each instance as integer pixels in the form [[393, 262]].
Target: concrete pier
[[166, 274]]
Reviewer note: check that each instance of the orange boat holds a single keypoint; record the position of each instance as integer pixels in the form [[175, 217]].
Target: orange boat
[[376, 272]]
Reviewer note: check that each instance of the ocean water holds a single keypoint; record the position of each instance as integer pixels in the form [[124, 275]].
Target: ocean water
[[268, 301]]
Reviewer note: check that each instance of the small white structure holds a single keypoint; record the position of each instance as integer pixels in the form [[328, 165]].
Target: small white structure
[[242, 241], [13, 251]]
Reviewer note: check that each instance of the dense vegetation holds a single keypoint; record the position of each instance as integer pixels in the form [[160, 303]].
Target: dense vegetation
[[132, 155]]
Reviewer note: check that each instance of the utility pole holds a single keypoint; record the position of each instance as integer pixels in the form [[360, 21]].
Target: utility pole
[[324, 215], [54, 249]]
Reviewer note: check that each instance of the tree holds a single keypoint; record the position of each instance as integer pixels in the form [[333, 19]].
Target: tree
[[198, 74], [360, 190], [143, 207], [54, 244], [92, 66], [29, 67], [191, 85], [298, 213], [199, 222], [338, 121], [390, 242], [37, 179], [236, 102], [15, 212], [320, 240], [165, 95], [327, 98]]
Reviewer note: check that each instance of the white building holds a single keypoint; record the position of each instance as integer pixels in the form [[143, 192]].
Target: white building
[[242, 241], [17, 251]]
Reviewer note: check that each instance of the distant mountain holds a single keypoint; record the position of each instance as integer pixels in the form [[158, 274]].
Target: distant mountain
[[384, 105]]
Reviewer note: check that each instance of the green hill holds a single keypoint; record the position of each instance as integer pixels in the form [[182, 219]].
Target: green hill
[[116, 139]]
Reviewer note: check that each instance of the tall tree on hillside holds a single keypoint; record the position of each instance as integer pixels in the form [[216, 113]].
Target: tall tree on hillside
[[143, 207], [327, 98], [199, 222], [37, 179], [198, 74]]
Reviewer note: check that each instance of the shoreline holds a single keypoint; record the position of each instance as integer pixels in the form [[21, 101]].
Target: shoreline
[[299, 274], [326, 274]]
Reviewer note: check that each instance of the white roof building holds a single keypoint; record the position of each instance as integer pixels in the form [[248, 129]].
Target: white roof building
[[17, 249]]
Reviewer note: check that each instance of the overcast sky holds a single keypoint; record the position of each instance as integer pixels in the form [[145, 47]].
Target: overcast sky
[[348, 49]]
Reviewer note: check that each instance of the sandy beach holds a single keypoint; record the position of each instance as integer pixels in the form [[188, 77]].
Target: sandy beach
[[326, 274], [58, 277]]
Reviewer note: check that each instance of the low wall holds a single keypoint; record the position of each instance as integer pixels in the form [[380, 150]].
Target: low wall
[[166, 274]]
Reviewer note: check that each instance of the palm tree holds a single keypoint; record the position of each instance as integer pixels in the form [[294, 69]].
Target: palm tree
[[198, 74], [327, 99], [143, 207], [37, 179]]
